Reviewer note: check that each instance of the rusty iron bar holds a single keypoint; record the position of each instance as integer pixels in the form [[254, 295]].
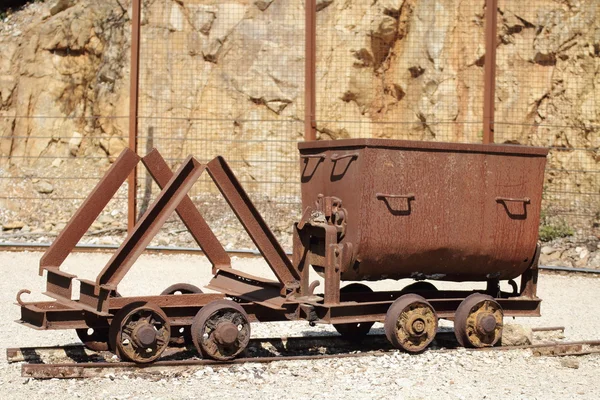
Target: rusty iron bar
[[150, 223], [89, 210], [134, 86], [548, 329], [189, 214], [253, 222], [20, 354], [489, 91], [92, 369], [310, 67]]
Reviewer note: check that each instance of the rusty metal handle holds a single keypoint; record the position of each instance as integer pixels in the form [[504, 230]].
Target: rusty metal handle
[[321, 156], [525, 200], [409, 196], [335, 157]]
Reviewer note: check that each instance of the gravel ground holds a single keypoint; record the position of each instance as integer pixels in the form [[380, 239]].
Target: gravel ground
[[569, 301]]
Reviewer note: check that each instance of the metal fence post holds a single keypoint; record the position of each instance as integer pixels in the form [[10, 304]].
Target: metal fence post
[[134, 77], [310, 67], [489, 95]]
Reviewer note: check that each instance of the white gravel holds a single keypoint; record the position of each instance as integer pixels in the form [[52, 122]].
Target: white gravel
[[570, 301]]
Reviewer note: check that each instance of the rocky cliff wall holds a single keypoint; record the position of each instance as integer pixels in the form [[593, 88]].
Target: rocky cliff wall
[[227, 77]]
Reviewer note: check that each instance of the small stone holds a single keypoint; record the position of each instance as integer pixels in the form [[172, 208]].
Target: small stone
[[516, 335], [61, 5], [584, 253], [163, 241], [97, 225], [321, 4], [548, 250], [569, 363], [263, 4], [56, 163], [105, 219], [44, 187], [13, 225], [75, 142]]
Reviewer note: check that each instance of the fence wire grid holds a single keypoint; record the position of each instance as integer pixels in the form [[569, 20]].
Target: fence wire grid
[[228, 78]]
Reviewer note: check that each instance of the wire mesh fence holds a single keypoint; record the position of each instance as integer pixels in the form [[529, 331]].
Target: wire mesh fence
[[228, 78]]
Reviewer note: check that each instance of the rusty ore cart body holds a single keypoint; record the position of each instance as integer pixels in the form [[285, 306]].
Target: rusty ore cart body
[[373, 209]]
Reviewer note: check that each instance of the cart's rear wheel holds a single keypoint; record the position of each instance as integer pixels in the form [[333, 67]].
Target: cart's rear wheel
[[95, 339], [221, 330], [181, 288], [181, 335], [420, 286], [354, 330], [411, 323], [478, 321], [140, 332]]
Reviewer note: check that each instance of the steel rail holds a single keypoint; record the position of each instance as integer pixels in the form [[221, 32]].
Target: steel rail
[[69, 370], [293, 343]]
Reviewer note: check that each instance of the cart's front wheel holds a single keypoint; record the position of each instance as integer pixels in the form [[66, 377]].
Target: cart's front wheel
[[221, 330], [140, 332]]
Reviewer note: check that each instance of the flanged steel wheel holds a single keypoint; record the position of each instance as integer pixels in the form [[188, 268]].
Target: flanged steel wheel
[[411, 323], [140, 332], [420, 286], [181, 335], [181, 288], [221, 330], [478, 321], [95, 339], [354, 330]]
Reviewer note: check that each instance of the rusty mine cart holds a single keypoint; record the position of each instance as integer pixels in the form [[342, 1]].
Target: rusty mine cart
[[373, 209]]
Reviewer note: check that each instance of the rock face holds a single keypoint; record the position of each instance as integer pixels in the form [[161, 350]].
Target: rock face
[[238, 65]]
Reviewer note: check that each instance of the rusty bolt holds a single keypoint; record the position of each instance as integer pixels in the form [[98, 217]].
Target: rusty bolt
[[144, 335], [226, 333], [486, 324], [416, 326]]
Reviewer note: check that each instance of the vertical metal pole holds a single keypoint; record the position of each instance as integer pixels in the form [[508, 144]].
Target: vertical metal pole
[[134, 77], [310, 68], [489, 95]]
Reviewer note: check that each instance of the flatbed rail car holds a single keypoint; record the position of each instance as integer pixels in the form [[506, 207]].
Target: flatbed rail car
[[373, 209]]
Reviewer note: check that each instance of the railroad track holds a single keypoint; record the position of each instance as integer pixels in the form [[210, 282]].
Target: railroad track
[[41, 247], [74, 361]]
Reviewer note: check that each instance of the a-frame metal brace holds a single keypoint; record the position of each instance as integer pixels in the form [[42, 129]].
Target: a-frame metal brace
[[175, 187]]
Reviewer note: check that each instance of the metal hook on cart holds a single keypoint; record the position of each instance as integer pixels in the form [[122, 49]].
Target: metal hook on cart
[[21, 302]]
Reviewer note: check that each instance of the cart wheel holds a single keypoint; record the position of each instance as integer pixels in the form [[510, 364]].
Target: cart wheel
[[355, 330], [221, 330], [181, 335], [478, 321], [420, 286], [139, 332], [95, 339], [411, 323], [181, 288]]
